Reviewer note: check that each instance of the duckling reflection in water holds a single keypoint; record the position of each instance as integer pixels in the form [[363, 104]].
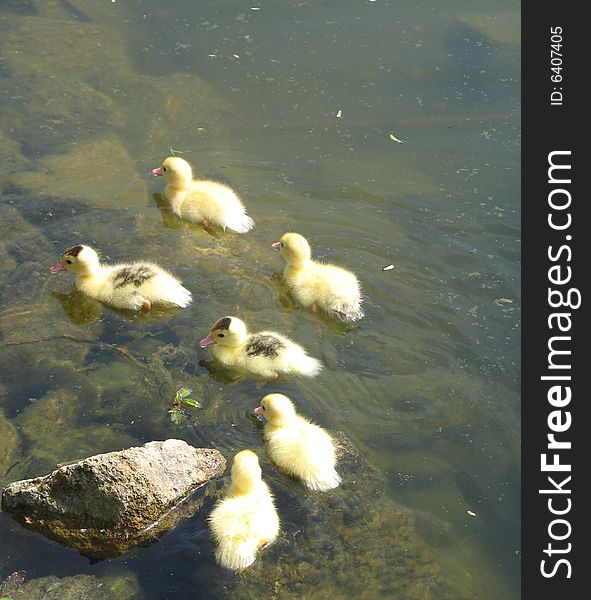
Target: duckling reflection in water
[[324, 287], [266, 354], [201, 200], [79, 308], [297, 446], [245, 520], [134, 286]]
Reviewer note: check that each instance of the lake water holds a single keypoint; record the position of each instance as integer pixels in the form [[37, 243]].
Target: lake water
[[301, 107]]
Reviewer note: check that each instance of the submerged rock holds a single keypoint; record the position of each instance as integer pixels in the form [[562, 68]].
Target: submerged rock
[[78, 587], [75, 111], [9, 444], [105, 504], [502, 28], [73, 49], [11, 156], [87, 172], [353, 542]]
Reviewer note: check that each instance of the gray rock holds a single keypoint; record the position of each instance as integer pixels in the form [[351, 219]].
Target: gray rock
[[105, 504]]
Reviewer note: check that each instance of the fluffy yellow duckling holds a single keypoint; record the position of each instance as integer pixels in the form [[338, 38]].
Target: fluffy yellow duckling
[[317, 285], [201, 200], [245, 519], [134, 286], [266, 354], [297, 446]]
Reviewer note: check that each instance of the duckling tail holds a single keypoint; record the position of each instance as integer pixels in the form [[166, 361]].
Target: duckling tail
[[179, 296], [349, 312], [308, 366], [241, 223], [235, 553], [324, 481]]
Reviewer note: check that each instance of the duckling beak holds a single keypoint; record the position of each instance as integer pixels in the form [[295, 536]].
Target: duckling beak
[[258, 411], [157, 171], [276, 245], [206, 341], [57, 268]]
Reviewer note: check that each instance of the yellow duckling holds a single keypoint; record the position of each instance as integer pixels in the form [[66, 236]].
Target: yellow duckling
[[297, 446], [201, 200], [267, 354], [317, 285], [134, 286], [245, 519]]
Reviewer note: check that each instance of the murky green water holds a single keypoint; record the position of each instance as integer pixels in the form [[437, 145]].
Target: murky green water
[[294, 105]]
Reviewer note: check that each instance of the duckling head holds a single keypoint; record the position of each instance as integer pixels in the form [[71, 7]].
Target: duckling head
[[276, 408], [227, 331], [176, 171], [82, 260], [294, 248], [246, 471]]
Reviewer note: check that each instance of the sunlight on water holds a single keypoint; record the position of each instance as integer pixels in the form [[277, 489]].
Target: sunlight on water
[[385, 132]]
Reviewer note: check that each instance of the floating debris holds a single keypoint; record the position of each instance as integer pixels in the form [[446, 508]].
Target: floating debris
[[174, 152], [388, 268], [255, 8], [500, 301], [339, 113], [471, 513], [236, 55], [396, 139]]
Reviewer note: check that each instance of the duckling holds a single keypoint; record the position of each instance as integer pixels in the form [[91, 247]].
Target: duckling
[[200, 200], [134, 286], [245, 519], [297, 446], [267, 354], [317, 285]]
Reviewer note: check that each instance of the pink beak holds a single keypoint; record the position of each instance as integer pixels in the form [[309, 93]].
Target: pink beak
[[207, 341], [259, 411], [57, 268], [157, 171], [276, 245]]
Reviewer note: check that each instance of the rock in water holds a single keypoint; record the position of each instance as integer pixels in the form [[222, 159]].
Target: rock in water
[[107, 503]]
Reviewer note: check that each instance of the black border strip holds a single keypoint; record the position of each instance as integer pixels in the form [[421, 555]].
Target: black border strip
[[560, 127]]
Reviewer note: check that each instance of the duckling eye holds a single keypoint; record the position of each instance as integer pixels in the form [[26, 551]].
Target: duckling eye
[[69, 261], [281, 244], [263, 406], [164, 168], [221, 335]]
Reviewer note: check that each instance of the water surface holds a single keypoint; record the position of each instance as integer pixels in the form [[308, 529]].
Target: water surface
[[296, 106]]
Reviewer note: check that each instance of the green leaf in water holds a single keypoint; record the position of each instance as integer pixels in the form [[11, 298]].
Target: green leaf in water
[[192, 403], [175, 415], [184, 392]]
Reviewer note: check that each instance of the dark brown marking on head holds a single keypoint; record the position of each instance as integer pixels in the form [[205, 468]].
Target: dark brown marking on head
[[132, 276], [264, 345], [222, 324], [73, 251]]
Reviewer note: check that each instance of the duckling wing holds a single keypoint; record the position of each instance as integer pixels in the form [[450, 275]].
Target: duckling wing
[[306, 451], [219, 204], [134, 283], [271, 353], [335, 289]]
